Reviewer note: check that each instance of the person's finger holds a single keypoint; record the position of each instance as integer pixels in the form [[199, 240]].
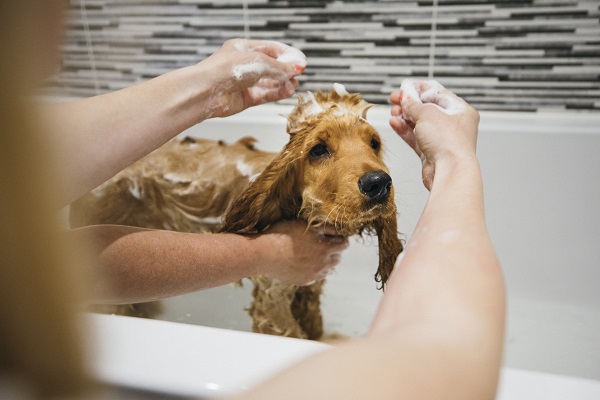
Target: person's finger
[[327, 230], [412, 109], [335, 259], [396, 110], [338, 243], [405, 131], [295, 82], [328, 268], [399, 125], [329, 236], [259, 95], [269, 83], [395, 97]]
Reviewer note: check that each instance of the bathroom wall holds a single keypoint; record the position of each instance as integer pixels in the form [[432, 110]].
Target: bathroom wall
[[500, 55]]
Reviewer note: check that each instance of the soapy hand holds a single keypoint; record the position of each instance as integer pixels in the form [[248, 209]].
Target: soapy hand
[[436, 123], [298, 255], [246, 73]]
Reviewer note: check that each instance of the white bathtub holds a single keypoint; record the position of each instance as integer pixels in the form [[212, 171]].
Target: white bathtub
[[542, 186]]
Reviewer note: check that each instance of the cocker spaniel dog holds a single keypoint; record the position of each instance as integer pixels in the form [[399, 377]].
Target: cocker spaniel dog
[[330, 172]]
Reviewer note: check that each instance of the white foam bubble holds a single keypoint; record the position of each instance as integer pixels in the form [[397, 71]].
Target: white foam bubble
[[176, 178], [240, 46], [340, 89], [446, 102], [240, 70], [407, 88], [435, 94], [244, 168], [311, 105], [292, 56], [135, 189]]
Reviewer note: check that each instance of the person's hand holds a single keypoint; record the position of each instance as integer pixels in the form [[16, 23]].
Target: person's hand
[[246, 73], [437, 124], [300, 256]]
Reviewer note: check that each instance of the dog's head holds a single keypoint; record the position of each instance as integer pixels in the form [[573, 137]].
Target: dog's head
[[344, 181], [330, 172]]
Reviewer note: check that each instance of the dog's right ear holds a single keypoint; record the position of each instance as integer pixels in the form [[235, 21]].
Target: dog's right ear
[[390, 246], [273, 196]]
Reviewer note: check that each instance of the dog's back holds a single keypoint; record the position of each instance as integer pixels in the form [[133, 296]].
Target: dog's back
[[186, 185]]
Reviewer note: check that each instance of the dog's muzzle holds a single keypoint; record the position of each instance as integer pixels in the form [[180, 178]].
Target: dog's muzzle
[[376, 185]]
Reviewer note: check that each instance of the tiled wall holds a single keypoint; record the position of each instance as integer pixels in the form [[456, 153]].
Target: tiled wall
[[500, 55]]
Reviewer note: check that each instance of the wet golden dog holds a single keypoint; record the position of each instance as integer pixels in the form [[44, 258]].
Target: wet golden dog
[[330, 172]]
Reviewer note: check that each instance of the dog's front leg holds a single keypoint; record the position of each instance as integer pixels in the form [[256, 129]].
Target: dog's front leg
[[271, 309]]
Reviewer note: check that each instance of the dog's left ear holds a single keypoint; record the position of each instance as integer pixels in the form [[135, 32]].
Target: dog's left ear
[[272, 197], [390, 246]]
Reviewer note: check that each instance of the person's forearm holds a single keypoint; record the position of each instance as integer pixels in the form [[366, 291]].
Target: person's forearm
[[99, 136], [138, 265], [448, 287], [449, 256]]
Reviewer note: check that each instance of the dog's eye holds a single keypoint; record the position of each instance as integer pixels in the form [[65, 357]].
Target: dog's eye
[[375, 144], [318, 151]]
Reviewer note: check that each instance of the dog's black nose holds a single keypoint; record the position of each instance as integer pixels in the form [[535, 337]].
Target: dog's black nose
[[376, 185]]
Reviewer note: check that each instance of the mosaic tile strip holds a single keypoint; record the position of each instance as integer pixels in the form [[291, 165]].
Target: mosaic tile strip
[[500, 55]]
